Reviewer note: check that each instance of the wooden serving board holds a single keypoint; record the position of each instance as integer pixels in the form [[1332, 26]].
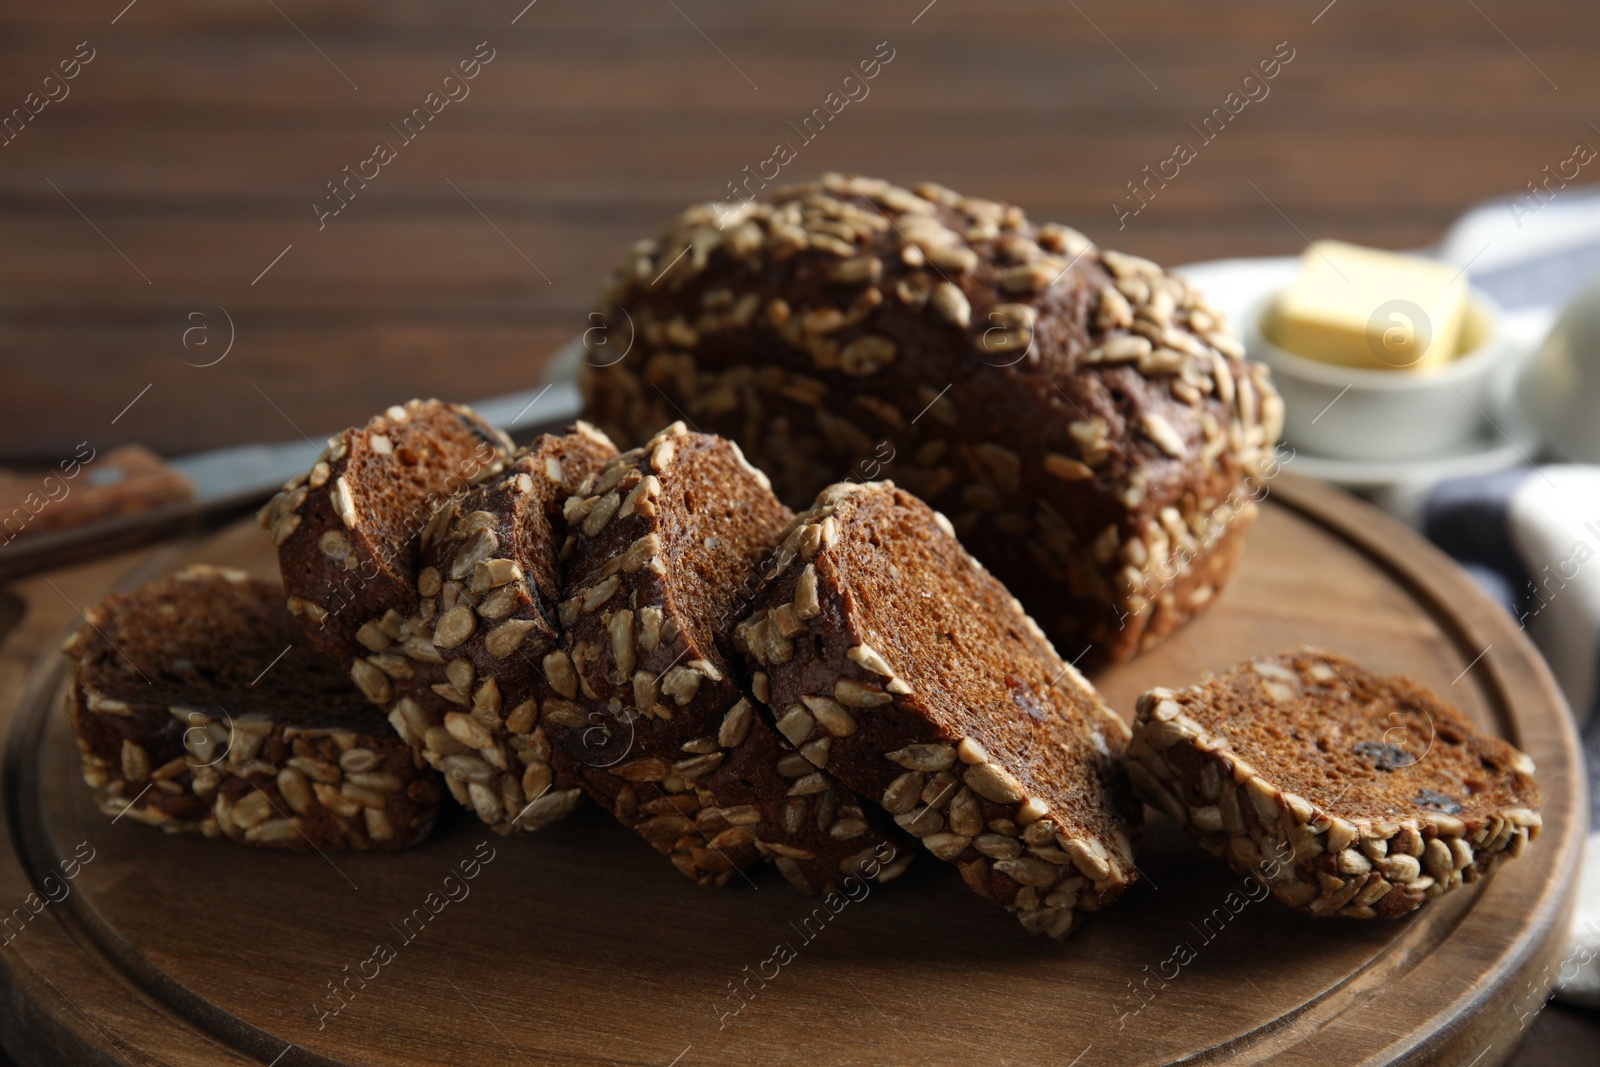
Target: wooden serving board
[[581, 946]]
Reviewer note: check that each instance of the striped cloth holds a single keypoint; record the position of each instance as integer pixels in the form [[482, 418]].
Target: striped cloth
[[1531, 538]]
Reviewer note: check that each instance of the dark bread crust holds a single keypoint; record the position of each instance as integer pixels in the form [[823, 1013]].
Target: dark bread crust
[[199, 707], [1087, 422], [651, 713], [1343, 792], [469, 660], [348, 531], [890, 657]]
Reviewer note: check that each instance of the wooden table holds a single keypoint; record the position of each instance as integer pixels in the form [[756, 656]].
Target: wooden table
[[164, 205]]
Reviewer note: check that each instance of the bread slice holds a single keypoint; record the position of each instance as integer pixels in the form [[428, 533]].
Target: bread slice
[[891, 658], [199, 705], [1342, 792], [349, 530], [466, 667], [651, 713]]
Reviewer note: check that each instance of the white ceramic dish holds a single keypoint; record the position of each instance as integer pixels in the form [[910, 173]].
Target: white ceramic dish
[[1561, 390], [1235, 286], [1350, 413], [1485, 454]]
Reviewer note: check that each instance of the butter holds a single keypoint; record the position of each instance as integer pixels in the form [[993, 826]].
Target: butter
[[1360, 307]]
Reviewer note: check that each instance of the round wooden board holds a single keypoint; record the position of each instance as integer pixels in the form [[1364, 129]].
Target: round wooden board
[[581, 946]]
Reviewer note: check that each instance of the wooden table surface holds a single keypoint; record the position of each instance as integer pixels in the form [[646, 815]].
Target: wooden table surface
[[161, 202]]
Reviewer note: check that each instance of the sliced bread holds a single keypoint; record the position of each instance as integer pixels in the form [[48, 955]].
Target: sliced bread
[[1342, 791], [199, 705], [890, 657], [466, 669], [348, 531], [651, 710]]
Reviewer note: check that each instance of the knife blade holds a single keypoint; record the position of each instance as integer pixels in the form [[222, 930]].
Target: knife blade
[[229, 482]]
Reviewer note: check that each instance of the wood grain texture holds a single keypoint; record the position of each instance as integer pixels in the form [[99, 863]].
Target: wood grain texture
[[578, 945], [200, 134]]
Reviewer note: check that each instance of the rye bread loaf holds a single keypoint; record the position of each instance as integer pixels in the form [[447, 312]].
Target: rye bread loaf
[[199, 706], [1085, 419], [1343, 792], [892, 658], [466, 669], [349, 530], [651, 713]]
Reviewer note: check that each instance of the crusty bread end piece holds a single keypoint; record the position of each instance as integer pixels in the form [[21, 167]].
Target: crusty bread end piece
[[1343, 792], [198, 705]]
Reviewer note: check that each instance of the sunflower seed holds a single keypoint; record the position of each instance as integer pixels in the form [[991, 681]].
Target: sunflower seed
[[343, 503], [681, 683], [1028, 871], [599, 593], [993, 782], [662, 457], [493, 573], [371, 681], [831, 714], [856, 695], [358, 760], [806, 605], [902, 793], [947, 846], [507, 637], [951, 304], [868, 658], [921, 822], [377, 781], [467, 730], [600, 514], [698, 765], [479, 547], [795, 724], [486, 702], [653, 769], [454, 627], [809, 785], [622, 649], [558, 669], [924, 757], [1088, 856], [135, 762], [735, 725]]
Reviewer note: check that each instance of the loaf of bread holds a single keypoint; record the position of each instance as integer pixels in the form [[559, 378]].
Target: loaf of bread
[[1342, 792], [1085, 419], [465, 670], [198, 705], [651, 711], [348, 531], [891, 658]]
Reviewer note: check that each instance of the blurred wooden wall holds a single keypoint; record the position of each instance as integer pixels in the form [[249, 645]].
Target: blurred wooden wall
[[187, 155]]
